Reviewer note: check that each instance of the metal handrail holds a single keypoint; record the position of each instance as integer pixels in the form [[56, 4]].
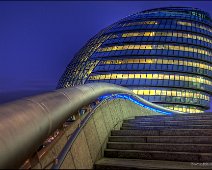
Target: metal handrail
[[62, 155], [26, 123]]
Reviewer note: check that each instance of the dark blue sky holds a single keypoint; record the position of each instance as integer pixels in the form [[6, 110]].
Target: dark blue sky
[[38, 39]]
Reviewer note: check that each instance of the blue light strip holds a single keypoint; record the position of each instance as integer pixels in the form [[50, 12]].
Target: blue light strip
[[127, 97]]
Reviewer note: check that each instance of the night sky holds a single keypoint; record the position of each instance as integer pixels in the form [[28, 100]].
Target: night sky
[[38, 39]]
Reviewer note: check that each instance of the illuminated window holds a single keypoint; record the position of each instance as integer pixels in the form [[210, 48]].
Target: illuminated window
[[141, 23], [169, 93], [149, 76], [182, 78], [160, 76], [178, 93], [174, 34], [171, 77], [197, 26], [143, 76], [131, 75], [177, 77], [152, 76], [155, 76], [163, 92], [135, 91], [137, 76], [146, 92], [166, 77], [158, 92], [152, 92], [126, 76], [149, 47], [174, 93], [140, 92]]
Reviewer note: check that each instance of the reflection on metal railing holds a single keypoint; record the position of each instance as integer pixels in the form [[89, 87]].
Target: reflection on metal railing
[[25, 124], [133, 98], [52, 139]]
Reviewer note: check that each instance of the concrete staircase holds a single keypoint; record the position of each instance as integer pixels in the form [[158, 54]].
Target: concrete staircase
[[160, 142]]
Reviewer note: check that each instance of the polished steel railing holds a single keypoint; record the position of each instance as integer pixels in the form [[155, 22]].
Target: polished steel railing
[[26, 123]]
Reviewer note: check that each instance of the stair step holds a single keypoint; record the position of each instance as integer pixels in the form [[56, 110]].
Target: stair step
[[177, 115], [120, 163], [159, 155], [173, 118], [160, 142], [183, 114], [163, 139], [165, 132], [185, 122], [203, 148], [131, 126]]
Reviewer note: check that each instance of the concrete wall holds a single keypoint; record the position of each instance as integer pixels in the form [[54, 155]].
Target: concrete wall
[[91, 142]]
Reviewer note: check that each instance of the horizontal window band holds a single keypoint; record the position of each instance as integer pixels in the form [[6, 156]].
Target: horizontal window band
[[174, 84], [103, 69], [158, 22], [186, 109], [128, 41], [158, 61], [171, 93], [182, 104], [101, 56], [167, 34], [152, 29], [128, 70], [175, 101], [160, 19], [152, 77], [154, 47], [160, 40]]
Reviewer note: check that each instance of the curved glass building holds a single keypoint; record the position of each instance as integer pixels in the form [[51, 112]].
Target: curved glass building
[[163, 55]]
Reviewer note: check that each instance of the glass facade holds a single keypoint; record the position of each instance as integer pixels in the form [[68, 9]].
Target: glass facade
[[163, 55]]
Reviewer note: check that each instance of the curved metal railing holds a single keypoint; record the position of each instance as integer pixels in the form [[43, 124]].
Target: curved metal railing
[[132, 97], [26, 123]]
